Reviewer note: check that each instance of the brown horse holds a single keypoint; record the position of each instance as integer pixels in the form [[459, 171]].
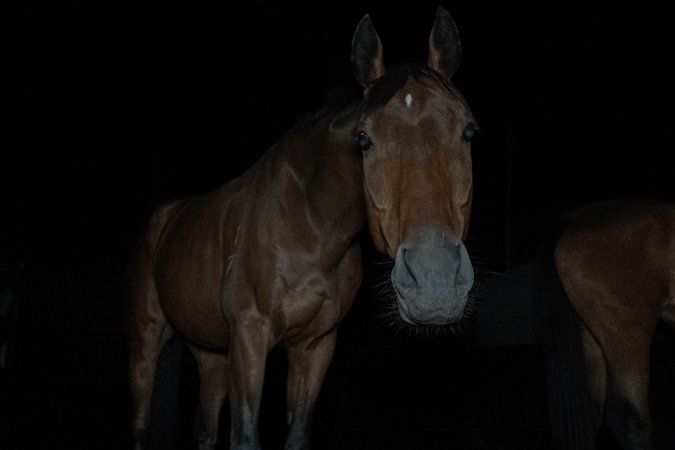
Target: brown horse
[[615, 264], [272, 257]]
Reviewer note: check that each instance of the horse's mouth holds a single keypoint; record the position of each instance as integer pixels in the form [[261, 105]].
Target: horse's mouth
[[404, 315], [437, 319]]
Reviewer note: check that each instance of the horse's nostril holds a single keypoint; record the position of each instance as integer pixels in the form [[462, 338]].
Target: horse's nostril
[[403, 270]]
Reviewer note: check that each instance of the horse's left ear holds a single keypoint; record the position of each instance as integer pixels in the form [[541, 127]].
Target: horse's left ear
[[367, 60], [445, 49]]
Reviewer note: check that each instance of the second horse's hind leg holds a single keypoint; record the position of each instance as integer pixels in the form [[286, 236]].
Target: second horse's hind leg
[[212, 393], [596, 375], [627, 409]]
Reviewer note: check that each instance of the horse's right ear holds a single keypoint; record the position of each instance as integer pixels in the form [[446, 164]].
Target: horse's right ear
[[367, 61], [445, 48]]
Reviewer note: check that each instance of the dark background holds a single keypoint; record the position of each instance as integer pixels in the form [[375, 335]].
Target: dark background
[[111, 108]]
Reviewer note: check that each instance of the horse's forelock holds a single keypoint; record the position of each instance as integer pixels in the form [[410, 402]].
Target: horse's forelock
[[394, 80]]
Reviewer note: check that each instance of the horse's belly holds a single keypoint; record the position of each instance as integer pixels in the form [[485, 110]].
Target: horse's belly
[[199, 319], [189, 295], [188, 270]]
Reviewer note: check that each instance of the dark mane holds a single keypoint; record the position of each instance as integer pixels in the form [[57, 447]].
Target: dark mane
[[394, 79], [338, 99]]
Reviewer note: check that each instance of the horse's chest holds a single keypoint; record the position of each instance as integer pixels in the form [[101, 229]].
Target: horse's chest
[[295, 300], [317, 301]]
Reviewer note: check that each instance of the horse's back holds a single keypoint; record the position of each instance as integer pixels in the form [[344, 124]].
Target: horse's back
[[619, 257]]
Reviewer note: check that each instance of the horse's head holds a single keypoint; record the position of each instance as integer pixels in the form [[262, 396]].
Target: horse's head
[[415, 134]]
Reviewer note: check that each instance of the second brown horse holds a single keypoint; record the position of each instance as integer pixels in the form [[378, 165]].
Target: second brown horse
[[272, 258], [613, 267]]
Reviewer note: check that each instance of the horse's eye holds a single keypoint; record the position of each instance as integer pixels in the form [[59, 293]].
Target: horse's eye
[[363, 142], [469, 132]]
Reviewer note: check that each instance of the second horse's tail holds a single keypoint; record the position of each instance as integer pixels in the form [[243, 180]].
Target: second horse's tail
[[571, 411]]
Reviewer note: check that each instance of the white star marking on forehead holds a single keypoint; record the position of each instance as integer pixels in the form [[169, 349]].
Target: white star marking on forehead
[[408, 100]]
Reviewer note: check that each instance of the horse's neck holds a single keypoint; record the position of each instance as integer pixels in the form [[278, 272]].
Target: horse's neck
[[323, 164]]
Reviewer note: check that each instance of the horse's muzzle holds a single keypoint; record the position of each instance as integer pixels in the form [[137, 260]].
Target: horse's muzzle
[[432, 276]]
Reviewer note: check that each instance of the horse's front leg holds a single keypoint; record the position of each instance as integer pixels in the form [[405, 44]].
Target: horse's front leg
[[308, 362], [250, 342]]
